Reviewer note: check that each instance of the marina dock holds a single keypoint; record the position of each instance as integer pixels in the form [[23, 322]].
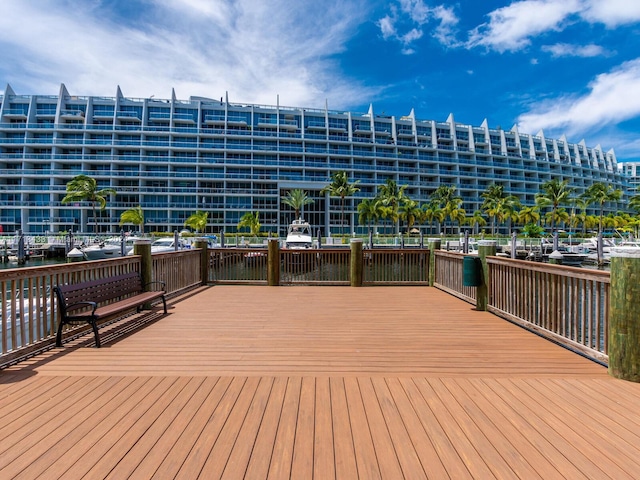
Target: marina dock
[[317, 382]]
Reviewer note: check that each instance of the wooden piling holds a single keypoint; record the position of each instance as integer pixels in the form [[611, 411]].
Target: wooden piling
[[143, 248], [434, 244], [486, 248], [204, 259], [273, 262], [356, 262], [624, 315]]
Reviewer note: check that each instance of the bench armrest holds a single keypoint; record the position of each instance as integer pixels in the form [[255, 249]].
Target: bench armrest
[[144, 287], [76, 306]]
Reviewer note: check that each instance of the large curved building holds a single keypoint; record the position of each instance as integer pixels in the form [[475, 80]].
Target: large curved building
[[174, 157]]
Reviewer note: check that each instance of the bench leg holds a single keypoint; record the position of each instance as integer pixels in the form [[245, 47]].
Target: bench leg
[[59, 334], [95, 332], [164, 303]]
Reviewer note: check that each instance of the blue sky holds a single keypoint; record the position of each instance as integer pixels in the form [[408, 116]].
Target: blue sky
[[564, 66]]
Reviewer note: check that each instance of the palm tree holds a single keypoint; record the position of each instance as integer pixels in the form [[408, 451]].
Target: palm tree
[[557, 216], [296, 199], [554, 193], [251, 221], [391, 195], [84, 188], [432, 211], [528, 215], [445, 197], [634, 203], [491, 205], [602, 193], [499, 205], [369, 210], [340, 187], [457, 214], [409, 211], [134, 216], [197, 221], [582, 203], [476, 220]]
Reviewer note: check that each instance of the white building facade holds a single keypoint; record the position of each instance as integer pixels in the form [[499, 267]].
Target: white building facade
[[174, 157]]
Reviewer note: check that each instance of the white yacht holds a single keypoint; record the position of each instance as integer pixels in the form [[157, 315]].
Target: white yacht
[[299, 235], [109, 248]]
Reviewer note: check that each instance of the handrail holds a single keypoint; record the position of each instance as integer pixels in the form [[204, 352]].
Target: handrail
[[568, 305]]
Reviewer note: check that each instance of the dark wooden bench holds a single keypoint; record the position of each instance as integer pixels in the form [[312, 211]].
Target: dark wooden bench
[[89, 302]]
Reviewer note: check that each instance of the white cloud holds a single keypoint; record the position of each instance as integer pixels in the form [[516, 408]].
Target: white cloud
[[612, 12], [613, 98], [387, 27], [411, 36], [568, 50], [416, 9], [199, 47], [446, 30], [510, 28], [416, 17]]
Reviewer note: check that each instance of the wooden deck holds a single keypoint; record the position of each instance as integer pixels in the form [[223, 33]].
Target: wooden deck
[[317, 382]]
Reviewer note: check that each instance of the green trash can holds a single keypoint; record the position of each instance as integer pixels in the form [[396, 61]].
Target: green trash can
[[471, 272]]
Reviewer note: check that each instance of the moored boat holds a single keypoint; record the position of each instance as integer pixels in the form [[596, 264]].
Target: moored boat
[[111, 247], [299, 239]]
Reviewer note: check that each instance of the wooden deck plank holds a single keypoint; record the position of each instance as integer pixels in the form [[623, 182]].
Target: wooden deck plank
[[365, 451], [142, 446], [180, 428], [258, 465], [33, 404], [128, 425], [369, 383], [199, 424], [241, 452], [464, 446], [428, 456], [345, 457], [386, 453], [543, 421], [302, 462], [82, 426], [324, 465], [200, 451], [592, 440], [403, 445], [218, 458], [508, 443], [41, 433], [282, 456]]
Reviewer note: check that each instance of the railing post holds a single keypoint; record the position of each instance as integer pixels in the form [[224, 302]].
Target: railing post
[[434, 244], [204, 259], [356, 262], [486, 248], [273, 262], [624, 315], [143, 248]]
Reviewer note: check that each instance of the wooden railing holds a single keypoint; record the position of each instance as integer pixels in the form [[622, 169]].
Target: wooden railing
[[179, 270], [396, 267], [325, 266], [565, 304], [448, 275], [238, 266]]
